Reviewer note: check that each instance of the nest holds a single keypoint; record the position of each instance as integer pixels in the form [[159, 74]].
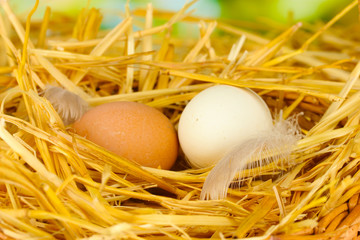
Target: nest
[[57, 185]]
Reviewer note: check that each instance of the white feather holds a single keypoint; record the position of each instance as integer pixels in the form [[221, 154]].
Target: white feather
[[68, 105], [272, 146]]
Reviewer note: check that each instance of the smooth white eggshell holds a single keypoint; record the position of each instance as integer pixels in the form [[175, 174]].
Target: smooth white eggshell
[[218, 119]]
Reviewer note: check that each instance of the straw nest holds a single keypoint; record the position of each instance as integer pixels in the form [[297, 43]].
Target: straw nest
[[57, 185]]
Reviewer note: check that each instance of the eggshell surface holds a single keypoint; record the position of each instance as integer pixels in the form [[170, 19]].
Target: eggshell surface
[[132, 130], [218, 119]]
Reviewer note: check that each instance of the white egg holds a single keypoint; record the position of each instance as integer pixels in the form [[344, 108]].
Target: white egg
[[218, 119]]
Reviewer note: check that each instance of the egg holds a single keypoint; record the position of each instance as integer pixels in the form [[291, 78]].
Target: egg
[[132, 130], [218, 119]]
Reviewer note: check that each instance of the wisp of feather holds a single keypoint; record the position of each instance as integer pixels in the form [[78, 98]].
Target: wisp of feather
[[68, 105], [268, 147]]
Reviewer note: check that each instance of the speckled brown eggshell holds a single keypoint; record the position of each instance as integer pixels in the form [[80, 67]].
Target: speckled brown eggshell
[[132, 130]]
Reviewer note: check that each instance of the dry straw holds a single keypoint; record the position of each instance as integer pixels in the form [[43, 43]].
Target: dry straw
[[57, 185]]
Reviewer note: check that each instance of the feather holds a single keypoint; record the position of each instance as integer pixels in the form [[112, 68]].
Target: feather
[[68, 105], [271, 146]]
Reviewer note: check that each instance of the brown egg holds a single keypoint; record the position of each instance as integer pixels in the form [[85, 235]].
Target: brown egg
[[132, 130]]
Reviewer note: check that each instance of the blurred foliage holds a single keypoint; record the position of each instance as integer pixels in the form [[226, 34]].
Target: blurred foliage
[[252, 10], [285, 11], [282, 11]]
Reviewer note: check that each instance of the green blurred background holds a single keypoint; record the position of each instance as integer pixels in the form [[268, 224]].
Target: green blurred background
[[284, 11]]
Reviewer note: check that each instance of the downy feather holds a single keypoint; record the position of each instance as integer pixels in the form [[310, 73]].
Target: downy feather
[[271, 146], [68, 105]]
